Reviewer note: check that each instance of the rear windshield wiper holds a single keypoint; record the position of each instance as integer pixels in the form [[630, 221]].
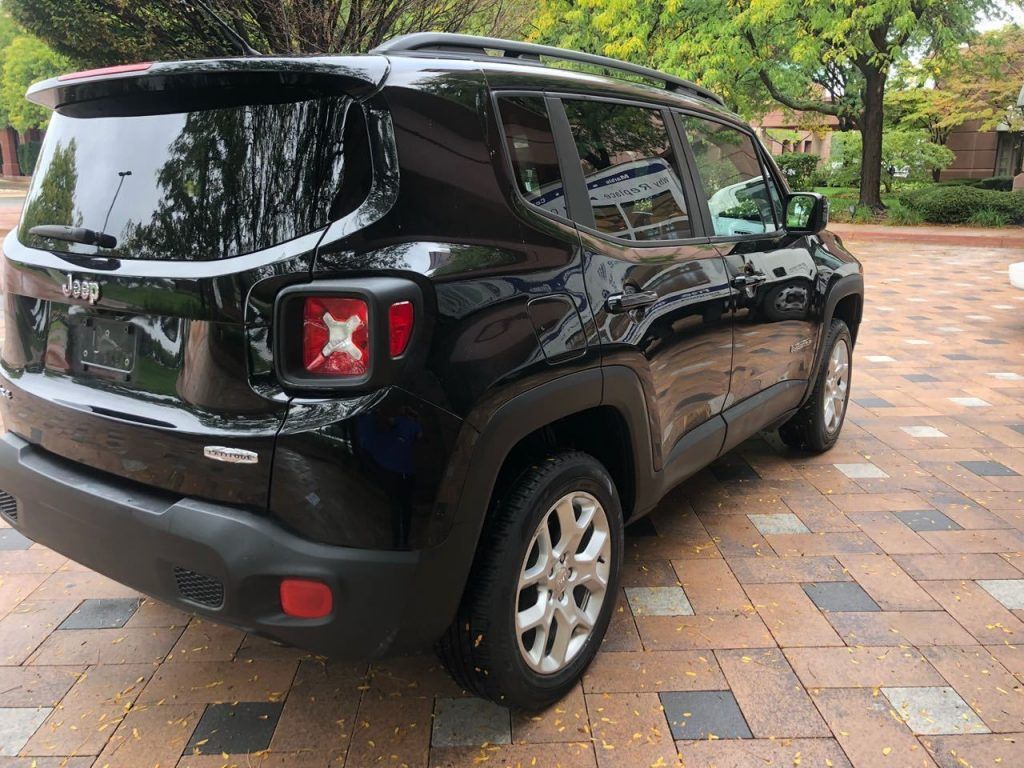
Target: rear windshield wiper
[[74, 235]]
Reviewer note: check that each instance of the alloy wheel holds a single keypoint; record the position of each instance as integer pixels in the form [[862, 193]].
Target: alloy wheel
[[837, 385], [563, 582]]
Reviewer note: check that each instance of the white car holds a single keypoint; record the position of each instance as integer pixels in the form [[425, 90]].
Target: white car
[[1017, 275]]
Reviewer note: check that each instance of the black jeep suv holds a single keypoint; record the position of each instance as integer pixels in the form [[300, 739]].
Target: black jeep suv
[[366, 353]]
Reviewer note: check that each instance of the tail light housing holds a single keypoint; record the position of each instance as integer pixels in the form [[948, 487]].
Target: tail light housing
[[346, 334]]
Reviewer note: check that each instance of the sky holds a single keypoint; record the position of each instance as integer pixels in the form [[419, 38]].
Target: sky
[[1016, 14]]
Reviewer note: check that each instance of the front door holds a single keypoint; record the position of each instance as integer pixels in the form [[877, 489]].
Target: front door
[[660, 295], [771, 275]]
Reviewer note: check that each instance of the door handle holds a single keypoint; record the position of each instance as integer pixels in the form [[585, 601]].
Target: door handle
[[749, 280], [624, 302]]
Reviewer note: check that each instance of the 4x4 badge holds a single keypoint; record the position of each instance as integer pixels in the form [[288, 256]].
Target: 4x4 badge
[[81, 289]]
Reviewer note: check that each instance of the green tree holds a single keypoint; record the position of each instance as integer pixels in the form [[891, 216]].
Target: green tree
[[54, 203], [26, 60], [102, 32], [828, 56], [903, 150]]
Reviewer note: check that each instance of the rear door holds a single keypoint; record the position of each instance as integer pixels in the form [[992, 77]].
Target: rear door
[[657, 288], [149, 353], [772, 275]]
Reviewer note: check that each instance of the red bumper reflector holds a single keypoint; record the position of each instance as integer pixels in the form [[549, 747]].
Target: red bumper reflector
[[400, 321], [305, 599], [119, 69]]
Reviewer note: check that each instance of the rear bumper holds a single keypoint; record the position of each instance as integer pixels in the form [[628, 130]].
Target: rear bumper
[[190, 553]]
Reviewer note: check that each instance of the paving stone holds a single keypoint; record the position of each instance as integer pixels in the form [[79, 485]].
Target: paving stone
[[465, 722], [872, 402], [983, 683], [861, 471], [151, 736], [926, 520], [988, 468], [36, 686], [787, 570], [791, 616], [773, 702], [658, 601], [1009, 592], [924, 431], [923, 378], [887, 583], [710, 586], [629, 730], [977, 611], [237, 728], [840, 596], [723, 630], [577, 755], [105, 613], [934, 711], [970, 402], [763, 753], [653, 671], [17, 724], [917, 628], [11, 539], [565, 721], [880, 359], [975, 750], [704, 714], [938, 567], [868, 733], [861, 667], [784, 523]]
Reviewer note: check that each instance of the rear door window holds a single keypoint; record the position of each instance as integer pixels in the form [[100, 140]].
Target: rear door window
[[200, 185], [531, 148], [730, 169], [631, 171]]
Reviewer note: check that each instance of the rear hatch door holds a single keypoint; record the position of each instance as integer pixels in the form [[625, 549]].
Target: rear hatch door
[[141, 355]]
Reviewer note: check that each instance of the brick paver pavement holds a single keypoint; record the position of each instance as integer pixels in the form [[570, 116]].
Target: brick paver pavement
[[864, 607]]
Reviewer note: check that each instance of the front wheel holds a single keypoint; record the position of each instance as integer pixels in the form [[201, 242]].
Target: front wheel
[[543, 586], [816, 426]]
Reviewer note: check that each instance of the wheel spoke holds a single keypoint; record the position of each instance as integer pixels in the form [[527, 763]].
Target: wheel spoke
[[563, 615]]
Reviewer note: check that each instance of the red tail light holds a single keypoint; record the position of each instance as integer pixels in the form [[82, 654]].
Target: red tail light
[[305, 599], [400, 322], [335, 336], [119, 69]]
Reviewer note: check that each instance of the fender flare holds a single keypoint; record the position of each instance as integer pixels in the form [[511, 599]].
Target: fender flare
[[616, 386]]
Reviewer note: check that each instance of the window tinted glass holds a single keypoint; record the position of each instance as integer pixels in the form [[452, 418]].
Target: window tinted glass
[[200, 185], [532, 149], [728, 165], [630, 170]]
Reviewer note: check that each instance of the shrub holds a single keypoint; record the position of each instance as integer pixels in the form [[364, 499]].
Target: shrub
[[799, 168], [1002, 183], [956, 204], [986, 217], [901, 215]]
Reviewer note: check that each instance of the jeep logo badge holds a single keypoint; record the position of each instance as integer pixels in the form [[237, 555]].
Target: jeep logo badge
[[81, 289]]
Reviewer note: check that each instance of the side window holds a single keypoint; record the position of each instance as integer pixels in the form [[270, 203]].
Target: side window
[[531, 146], [730, 169], [630, 170]]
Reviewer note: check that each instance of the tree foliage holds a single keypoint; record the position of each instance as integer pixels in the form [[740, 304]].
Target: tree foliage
[[827, 56], [904, 151], [102, 32], [26, 60]]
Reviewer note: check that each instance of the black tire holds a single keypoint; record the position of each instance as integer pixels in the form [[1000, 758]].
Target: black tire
[[807, 430], [481, 648]]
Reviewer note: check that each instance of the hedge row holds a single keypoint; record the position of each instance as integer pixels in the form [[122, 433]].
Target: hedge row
[[961, 204]]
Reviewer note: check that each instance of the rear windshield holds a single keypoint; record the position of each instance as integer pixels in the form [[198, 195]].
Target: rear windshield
[[202, 185]]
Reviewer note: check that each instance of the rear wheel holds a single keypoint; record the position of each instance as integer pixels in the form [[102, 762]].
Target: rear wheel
[[543, 586], [816, 426]]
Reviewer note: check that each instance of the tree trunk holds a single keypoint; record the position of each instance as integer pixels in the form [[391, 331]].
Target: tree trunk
[[936, 175], [871, 140]]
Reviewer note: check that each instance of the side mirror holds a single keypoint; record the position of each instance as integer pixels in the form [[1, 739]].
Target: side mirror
[[806, 213]]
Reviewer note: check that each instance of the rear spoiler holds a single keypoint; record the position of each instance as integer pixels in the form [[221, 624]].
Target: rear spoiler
[[138, 84]]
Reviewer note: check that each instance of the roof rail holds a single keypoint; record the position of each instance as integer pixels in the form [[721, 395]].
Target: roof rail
[[474, 46]]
